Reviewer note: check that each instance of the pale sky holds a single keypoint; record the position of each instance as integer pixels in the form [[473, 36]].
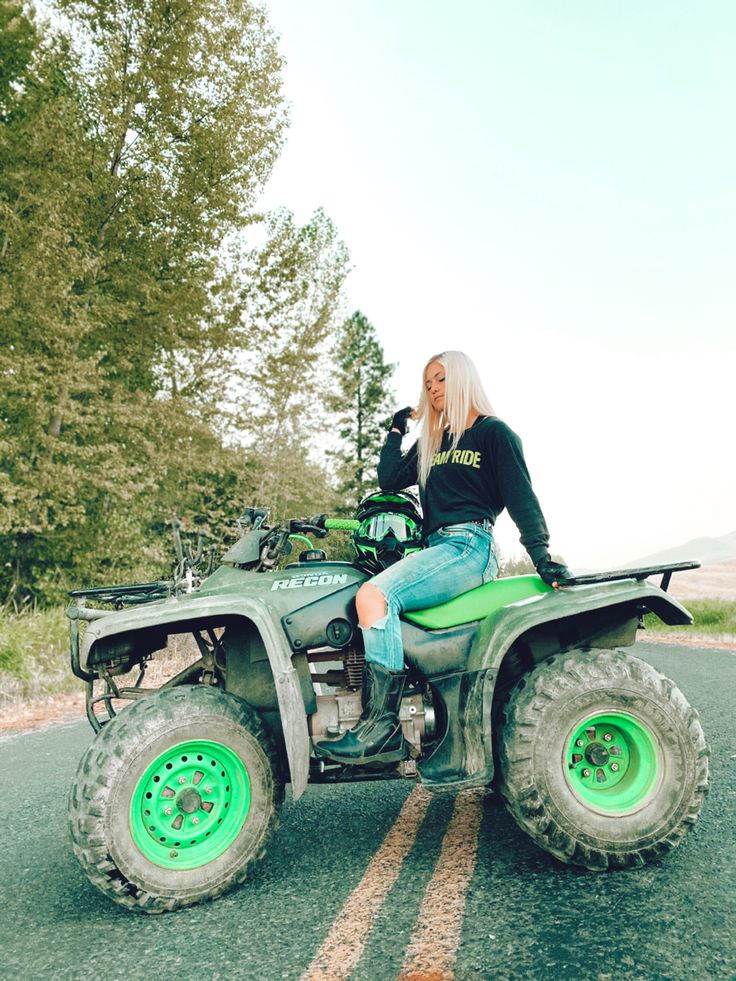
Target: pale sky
[[550, 187]]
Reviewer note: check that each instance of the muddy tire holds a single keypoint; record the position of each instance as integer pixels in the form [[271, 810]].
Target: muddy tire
[[604, 764], [175, 799]]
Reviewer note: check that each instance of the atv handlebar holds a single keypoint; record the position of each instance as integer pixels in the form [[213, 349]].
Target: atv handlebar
[[341, 524], [320, 524]]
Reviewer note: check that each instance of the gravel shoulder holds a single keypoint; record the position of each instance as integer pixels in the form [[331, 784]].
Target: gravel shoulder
[[716, 642], [32, 715]]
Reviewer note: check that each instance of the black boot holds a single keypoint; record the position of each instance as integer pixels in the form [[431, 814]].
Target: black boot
[[377, 738]]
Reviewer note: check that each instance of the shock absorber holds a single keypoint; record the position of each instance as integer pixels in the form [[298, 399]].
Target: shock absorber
[[354, 661]]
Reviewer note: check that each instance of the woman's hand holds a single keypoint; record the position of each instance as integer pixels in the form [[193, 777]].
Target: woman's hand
[[400, 421], [551, 572]]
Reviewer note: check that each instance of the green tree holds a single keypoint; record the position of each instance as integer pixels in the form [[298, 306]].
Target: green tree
[[521, 565], [42, 252], [516, 565], [124, 171], [291, 294], [17, 42], [188, 120], [363, 402]]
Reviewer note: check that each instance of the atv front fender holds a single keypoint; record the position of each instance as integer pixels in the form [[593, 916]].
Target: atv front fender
[[168, 614]]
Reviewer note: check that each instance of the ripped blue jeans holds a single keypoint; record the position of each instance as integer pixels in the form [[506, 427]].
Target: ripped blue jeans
[[457, 558]]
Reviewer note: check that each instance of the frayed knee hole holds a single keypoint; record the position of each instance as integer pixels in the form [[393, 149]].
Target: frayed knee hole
[[371, 606], [379, 624]]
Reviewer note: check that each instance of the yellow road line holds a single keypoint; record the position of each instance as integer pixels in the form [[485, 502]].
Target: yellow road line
[[430, 955], [342, 948]]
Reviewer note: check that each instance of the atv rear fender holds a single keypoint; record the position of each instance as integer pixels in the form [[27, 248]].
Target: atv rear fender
[[179, 615], [518, 636], [573, 617]]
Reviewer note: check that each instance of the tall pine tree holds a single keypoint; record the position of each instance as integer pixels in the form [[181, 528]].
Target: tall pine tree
[[363, 402]]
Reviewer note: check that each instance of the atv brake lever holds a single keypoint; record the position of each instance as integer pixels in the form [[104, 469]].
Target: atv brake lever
[[309, 526], [316, 519], [316, 523]]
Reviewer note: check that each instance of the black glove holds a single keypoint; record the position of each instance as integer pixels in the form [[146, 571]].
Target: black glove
[[552, 572], [400, 420]]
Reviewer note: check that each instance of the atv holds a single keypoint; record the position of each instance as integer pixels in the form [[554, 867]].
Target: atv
[[514, 686]]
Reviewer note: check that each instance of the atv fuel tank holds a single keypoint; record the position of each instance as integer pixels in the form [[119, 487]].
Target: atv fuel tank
[[328, 620], [315, 601]]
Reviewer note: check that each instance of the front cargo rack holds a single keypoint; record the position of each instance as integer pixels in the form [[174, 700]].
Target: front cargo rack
[[120, 596]]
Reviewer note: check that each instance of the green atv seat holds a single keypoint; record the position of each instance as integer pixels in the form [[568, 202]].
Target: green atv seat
[[479, 602]]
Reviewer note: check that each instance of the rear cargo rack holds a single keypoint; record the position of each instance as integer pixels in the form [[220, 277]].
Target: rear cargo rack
[[639, 573]]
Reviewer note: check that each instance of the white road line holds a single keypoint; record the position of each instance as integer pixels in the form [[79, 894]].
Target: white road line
[[342, 948], [430, 955]]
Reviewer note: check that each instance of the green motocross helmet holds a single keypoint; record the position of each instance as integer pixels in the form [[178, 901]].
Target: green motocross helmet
[[390, 528]]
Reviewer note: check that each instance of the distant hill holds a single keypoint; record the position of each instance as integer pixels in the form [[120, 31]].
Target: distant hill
[[716, 581], [707, 551]]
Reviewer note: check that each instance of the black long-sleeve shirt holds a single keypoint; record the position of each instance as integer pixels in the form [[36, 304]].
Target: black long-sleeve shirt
[[483, 475]]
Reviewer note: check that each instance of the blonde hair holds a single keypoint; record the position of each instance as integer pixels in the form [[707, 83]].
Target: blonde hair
[[464, 394]]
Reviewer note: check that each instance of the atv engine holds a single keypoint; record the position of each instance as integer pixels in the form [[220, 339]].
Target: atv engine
[[339, 702]]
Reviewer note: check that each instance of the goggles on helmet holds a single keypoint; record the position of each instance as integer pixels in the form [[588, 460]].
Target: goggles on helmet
[[390, 528], [378, 526]]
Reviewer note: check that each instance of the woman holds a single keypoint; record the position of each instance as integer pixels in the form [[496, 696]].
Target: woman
[[469, 466]]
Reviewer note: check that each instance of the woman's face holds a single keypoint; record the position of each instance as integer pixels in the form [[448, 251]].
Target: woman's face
[[434, 383]]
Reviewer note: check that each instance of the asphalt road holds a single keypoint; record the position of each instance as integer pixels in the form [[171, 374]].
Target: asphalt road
[[525, 916]]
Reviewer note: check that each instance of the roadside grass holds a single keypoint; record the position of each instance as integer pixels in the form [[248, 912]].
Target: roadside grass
[[34, 655], [712, 616], [34, 658]]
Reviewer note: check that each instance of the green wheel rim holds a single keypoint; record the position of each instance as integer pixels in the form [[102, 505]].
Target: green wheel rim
[[611, 763], [190, 804]]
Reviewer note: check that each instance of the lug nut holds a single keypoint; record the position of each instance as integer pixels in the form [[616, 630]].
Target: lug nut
[[579, 742], [208, 789], [167, 811], [614, 767], [182, 779], [607, 737], [195, 820], [586, 772]]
